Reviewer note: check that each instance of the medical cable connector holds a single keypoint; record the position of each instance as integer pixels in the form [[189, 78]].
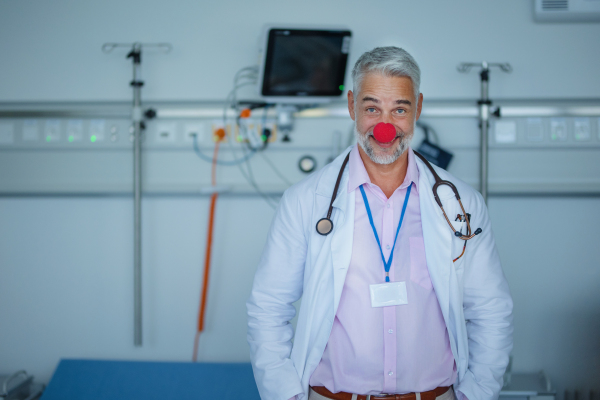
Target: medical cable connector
[[219, 162]]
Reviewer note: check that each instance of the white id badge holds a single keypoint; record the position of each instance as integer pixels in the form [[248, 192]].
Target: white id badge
[[388, 294]]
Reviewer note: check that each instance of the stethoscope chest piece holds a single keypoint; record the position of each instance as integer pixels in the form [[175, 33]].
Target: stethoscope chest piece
[[324, 226]]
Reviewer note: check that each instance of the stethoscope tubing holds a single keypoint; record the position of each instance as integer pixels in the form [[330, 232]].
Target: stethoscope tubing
[[325, 225]]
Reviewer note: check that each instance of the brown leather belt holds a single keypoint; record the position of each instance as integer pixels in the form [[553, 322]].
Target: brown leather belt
[[429, 395]]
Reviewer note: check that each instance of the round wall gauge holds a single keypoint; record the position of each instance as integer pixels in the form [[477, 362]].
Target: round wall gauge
[[307, 164]]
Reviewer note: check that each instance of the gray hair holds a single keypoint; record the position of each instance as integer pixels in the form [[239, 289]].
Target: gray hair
[[389, 61]]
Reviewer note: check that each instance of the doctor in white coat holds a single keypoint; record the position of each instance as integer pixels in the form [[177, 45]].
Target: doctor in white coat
[[473, 299]]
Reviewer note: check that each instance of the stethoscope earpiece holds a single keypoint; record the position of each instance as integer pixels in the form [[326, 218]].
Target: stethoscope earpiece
[[324, 226]]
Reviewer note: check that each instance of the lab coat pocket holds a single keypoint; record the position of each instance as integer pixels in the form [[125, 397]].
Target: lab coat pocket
[[419, 273]]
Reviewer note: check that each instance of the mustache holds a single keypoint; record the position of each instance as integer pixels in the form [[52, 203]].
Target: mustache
[[399, 134]]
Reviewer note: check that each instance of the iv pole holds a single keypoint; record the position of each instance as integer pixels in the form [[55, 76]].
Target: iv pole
[[484, 104], [138, 127]]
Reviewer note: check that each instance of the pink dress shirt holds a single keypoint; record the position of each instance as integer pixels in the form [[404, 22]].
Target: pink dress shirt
[[397, 349]]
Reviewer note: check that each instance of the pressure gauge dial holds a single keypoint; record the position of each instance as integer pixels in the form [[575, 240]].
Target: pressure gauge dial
[[307, 164]]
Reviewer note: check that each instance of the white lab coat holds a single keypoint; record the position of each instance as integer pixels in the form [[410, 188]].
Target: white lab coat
[[298, 262]]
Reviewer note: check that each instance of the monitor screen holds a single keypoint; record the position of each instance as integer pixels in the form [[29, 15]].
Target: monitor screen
[[302, 62]]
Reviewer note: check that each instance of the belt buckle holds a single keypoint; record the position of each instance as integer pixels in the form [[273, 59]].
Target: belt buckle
[[382, 395]]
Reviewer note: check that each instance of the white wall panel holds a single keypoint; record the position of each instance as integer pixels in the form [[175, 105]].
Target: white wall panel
[[67, 285], [51, 50]]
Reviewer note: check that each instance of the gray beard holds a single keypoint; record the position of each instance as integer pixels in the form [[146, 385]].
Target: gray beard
[[365, 143]]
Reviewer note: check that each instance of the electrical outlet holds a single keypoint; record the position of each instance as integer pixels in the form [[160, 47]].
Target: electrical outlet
[[214, 133], [582, 129], [254, 133], [30, 131], [165, 132], [74, 130], [52, 130], [7, 133], [191, 130], [272, 127], [505, 131], [114, 133], [97, 127], [558, 129], [535, 130]]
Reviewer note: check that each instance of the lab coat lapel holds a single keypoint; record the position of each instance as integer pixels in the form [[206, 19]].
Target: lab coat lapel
[[340, 239], [437, 238], [343, 235]]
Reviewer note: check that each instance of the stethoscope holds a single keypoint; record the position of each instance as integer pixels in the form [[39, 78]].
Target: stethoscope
[[325, 225]]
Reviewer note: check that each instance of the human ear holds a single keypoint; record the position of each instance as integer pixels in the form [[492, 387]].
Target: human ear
[[351, 104], [419, 105]]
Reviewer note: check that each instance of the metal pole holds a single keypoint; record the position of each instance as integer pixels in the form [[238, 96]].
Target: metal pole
[[484, 104], [484, 124], [138, 126]]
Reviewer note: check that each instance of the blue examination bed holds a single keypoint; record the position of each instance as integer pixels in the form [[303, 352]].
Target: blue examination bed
[[95, 380]]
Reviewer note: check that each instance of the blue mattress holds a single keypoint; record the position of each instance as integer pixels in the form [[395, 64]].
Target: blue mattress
[[94, 379]]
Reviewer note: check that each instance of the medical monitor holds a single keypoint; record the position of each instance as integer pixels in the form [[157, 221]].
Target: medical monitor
[[303, 65]]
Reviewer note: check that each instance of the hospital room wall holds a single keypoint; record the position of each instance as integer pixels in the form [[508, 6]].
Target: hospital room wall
[[66, 263], [51, 50]]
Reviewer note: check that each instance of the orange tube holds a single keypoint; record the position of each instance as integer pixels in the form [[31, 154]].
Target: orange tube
[[209, 240], [211, 221]]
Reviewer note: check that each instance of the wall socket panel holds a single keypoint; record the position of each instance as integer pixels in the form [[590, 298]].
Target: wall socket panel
[[63, 133], [545, 132], [523, 160]]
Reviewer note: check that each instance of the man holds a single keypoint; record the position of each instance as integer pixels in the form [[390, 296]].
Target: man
[[449, 331]]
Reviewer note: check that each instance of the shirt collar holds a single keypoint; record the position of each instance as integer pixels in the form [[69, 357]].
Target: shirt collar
[[359, 175]]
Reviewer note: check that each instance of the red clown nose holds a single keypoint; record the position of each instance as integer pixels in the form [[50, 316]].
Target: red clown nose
[[384, 133]]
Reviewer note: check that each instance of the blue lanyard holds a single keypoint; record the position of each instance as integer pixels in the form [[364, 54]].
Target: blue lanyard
[[387, 264]]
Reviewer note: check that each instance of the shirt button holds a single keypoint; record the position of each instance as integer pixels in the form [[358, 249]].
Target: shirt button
[[388, 205], [387, 247], [391, 373], [390, 331]]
